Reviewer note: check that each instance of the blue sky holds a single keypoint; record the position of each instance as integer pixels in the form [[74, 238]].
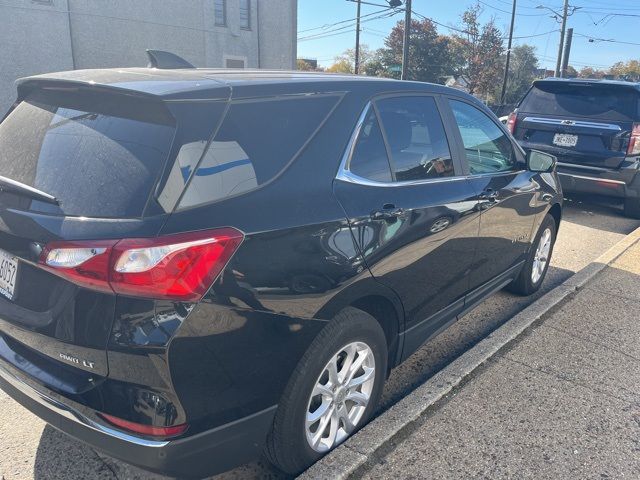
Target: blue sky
[[593, 19]]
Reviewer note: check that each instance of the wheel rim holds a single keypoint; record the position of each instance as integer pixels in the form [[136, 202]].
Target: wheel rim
[[340, 396], [440, 225], [541, 257]]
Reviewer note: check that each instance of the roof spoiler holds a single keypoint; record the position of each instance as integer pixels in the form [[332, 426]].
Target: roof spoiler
[[166, 60]]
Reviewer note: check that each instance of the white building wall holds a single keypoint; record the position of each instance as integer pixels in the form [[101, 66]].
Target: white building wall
[[39, 36]]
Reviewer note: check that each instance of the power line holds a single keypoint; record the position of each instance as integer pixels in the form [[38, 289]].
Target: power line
[[329, 25]]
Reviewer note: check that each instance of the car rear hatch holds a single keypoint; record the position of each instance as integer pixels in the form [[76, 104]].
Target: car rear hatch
[[582, 123], [76, 163]]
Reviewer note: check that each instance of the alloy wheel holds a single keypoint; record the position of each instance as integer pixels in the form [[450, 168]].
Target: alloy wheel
[[541, 256], [340, 396]]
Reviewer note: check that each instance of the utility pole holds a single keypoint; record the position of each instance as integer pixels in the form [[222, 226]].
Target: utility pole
[[405, 44], [506, 65], [567, 52], [565, 14], [356, 67]]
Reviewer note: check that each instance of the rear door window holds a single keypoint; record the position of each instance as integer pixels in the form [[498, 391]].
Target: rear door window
[[96, 162], [487, 148], [416, 138], [369, 159], [256, 141], [570, 99]]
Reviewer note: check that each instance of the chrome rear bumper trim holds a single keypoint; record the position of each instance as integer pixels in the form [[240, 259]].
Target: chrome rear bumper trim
[[71, 414], [593, 179]]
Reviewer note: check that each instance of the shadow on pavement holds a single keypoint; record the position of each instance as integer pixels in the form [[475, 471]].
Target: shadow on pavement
[[598, 213], [460, 337]]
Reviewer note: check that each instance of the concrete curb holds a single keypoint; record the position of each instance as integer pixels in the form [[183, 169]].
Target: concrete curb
[[355, 452]]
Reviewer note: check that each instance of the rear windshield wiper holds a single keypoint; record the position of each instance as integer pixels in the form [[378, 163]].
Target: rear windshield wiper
[[11, 186]]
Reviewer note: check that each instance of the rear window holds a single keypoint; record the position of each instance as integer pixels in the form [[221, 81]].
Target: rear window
[[606, 102], [99, 159], [256, 141]]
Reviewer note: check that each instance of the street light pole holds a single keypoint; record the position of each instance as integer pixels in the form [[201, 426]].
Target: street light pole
[[356, 67], [405, 44], [506, 65], [565, 13]]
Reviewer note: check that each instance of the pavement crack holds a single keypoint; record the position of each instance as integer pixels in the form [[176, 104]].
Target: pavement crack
[[105, 464], [606, 347], [573, 382]]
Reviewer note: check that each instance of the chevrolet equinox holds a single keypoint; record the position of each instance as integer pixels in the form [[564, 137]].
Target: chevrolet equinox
[[200, 266]]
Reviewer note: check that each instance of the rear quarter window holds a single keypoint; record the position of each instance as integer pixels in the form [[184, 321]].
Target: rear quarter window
[[597, 101], [98, 162], [256, 141]]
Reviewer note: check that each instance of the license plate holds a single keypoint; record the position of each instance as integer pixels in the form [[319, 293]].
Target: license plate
[[8, 274], [565, 140]]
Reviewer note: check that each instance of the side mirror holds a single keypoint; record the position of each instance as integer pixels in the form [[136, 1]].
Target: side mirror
[[538, 161]]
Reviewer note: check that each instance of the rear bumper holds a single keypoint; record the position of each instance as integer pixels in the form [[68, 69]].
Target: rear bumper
[[619, 183], [199, 455]]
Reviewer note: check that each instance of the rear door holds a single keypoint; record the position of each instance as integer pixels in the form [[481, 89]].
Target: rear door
[[505, 191], [411, 211], [74, 165], [582, 123]]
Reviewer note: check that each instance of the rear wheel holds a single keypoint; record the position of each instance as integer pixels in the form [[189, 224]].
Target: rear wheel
[[632, 207], [334, 391], [535, 268]]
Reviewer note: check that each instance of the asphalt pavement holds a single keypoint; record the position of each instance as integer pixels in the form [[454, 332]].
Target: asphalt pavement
[[560, 402], [30, 449]]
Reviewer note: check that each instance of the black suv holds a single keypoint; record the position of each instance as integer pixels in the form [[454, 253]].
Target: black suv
[[593, 128], [197, 266]]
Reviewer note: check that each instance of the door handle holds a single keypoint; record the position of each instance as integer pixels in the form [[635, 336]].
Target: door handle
[[489, 194], [388, 212]]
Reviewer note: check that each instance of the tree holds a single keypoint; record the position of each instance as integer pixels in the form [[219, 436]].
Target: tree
[[428, 53], [479, 50], [341, 66], [522, 72], [588, 72], [629, 69], [303, 65]]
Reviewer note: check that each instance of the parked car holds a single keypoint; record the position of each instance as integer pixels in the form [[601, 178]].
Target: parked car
[[201, 265], [593, 128]]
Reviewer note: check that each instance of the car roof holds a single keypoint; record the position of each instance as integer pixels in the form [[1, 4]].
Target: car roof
[[590, 81], [211, 83]]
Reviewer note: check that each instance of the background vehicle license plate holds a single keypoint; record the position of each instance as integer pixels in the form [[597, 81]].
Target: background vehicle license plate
[[565, 140]]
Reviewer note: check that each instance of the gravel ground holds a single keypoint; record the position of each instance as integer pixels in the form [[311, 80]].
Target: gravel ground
[[30, 449]]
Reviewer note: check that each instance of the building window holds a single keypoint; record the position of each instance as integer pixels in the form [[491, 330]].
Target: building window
[[245, 14], [220, 12], [234, 63]]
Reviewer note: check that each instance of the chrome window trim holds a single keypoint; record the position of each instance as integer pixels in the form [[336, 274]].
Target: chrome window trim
[[577, 123], [346, 175]]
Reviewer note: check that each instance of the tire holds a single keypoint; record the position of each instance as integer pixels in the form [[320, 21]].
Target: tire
[[527, 283], [288, 447], [632, 207]]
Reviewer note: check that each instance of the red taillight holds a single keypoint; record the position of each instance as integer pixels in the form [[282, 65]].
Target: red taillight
[[634, 140], [145, 429], [511, 122], [178, 267]]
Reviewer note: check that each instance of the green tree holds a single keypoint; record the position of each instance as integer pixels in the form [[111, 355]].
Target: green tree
[[429, 59], [522, 72], [479, 51]]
